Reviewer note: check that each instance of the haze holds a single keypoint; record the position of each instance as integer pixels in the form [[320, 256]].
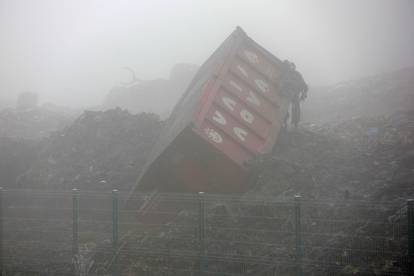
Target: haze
[[72, 52]]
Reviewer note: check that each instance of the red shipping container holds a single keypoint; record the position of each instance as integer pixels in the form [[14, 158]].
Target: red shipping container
[[231, 112]]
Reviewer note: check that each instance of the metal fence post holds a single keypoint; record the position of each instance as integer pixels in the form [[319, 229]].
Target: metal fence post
[[1, 233], [115, 233], [202, 233], [410, 220], [298, 236], [75, 228]]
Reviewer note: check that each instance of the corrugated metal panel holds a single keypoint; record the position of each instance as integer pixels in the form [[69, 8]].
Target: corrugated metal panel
[[231, 112], [244, 110]]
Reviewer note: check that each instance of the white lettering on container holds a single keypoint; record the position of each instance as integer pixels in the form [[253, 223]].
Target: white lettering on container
[[252, 57], [230, 103], [219, 118], [243, 71], [262, 85], [252, 98], [213, 135], [235, 85], [247, 116], [240, 133]]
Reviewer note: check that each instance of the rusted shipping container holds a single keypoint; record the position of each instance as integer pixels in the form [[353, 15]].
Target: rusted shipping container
[[231, 112]]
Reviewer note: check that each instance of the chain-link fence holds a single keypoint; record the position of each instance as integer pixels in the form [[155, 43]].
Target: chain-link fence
[[100, 233]]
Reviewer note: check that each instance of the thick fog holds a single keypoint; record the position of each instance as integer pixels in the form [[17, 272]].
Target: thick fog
[[72, 52]]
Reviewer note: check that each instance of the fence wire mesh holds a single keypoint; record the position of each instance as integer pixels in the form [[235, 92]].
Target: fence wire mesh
[[80, 233]]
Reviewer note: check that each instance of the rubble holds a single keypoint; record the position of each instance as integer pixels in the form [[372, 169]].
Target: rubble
[[355, 159], [17, 155], [376, 96], [34, 123], [99, 151], [343, 164], [360, 158], [21, 130]]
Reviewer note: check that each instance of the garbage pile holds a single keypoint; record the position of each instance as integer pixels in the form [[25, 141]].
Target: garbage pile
[[350, 160], [101, 150], [17, 155], [33, 123], [360, 160], [380, 95], [20, 131], [363, 161]]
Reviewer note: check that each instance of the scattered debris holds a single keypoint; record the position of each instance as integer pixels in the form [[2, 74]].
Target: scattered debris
[[100, 150], [334, 166], [17, 155], [358, 159], [379, 95], [34, 123]]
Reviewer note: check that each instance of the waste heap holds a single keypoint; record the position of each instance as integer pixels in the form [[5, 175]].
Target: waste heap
[[374, 96], [361, 160], [34, 123], [17, 155], [21, 129], [99, 151]]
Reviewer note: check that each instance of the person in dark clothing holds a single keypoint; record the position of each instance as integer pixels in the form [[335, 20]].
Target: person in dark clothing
[[293, 85], [285, 121], [295, 110]]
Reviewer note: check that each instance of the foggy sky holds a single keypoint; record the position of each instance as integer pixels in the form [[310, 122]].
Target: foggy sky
[[71, 52]]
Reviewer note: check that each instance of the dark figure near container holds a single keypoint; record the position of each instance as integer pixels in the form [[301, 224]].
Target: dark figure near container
[[293, 85]]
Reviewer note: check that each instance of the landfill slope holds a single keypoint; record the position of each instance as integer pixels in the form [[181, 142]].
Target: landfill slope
[[365, 157], [34, 123], [21, 130], [366, 154], [101, 150], [17, 156], [361, 160], [378, 95]]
